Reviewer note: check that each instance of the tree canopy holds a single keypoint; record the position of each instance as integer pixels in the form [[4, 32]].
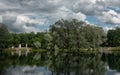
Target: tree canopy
[[5, 36], [94, 35], [63, 34], [113, 37], [76, 34]]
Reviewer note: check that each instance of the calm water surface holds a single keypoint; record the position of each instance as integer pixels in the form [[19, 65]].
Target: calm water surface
[[43, 63]]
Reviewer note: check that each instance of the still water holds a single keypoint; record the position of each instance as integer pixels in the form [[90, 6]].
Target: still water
[[44, 63]]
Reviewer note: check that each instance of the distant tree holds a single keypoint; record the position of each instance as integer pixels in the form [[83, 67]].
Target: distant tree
[[16, 39], [24, 38], [31, 38], [113, 37], [27, 38], [40, 37], [5, 36]]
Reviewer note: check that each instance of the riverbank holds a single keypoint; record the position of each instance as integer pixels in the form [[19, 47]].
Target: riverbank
[[26, 51]]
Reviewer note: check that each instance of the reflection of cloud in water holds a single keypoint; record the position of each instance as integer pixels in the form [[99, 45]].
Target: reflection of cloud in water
[[27, 70], [111, 71]]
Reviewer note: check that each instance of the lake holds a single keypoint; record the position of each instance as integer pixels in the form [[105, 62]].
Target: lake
[[62, 63]]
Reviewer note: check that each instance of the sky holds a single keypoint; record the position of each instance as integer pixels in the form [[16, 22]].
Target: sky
[[37, 15]]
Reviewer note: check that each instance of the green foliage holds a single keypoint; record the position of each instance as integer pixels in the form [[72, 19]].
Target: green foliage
[[113, 37], [70, 35], [85, 64], [24, 38], [5, 36], [37, 44], [66, 33], [94, 35], [16, 39], [76, 34], [27, 38], [47, 41]]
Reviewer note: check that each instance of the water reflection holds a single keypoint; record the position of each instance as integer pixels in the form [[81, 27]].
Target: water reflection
[[27, 70], [113, 62], [60, 64], [70, 64]]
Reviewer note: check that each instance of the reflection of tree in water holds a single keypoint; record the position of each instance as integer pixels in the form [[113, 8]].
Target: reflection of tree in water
[[113, 60], [4, 63], [68, 38], [60, 63], [7, 60], [71, 64]]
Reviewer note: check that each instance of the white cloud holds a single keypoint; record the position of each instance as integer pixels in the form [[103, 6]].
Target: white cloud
[[110, 17], [89, 7], [30, 20], [27, 24], [112, 3], [106, 28], [65, 13], [1, 19], [27, 70], [16, 13]]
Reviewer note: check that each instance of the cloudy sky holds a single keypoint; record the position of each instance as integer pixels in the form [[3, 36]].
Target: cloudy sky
[[37, 15]]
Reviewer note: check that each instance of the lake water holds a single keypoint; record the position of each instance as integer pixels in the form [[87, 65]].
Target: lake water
[[37, 63]]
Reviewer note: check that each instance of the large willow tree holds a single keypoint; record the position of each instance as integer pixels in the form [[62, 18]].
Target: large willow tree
[[75, 34]]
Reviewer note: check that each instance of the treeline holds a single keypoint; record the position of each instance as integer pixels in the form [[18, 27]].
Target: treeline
[[27, 38], [8, 39], [63, 34]]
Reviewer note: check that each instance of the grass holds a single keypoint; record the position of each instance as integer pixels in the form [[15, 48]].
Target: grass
[[114, 48], [23, 50]]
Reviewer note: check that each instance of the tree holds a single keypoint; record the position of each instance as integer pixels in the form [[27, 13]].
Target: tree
[[24, 38], [5, 36], [66, 34], [47, 38], [37, 44], [94, 35], [76, 34], [113, 37], [16, 39]]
